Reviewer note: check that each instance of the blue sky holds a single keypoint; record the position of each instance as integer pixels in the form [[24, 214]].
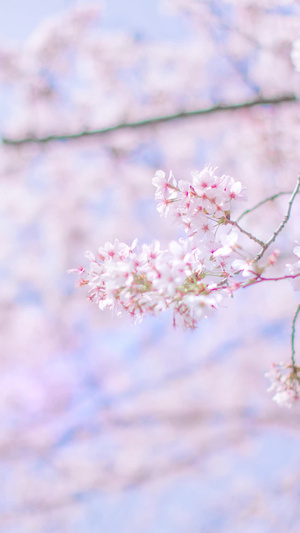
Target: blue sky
[[18, 19]]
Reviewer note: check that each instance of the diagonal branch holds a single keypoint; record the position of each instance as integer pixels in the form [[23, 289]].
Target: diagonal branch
[[269, 199], [252, 237], [155, 120], [282, 224]]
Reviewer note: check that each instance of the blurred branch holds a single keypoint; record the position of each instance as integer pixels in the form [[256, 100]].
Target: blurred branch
[[112, 477], [155, 120]]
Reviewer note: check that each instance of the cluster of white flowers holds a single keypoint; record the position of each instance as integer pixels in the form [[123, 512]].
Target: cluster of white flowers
[[152, 280], [201, 204], [285, 381], [183, 277]]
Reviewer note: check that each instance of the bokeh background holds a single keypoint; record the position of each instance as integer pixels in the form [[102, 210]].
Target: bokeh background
[[106, 425]]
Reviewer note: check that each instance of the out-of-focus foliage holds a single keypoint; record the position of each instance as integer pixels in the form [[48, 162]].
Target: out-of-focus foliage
[[106, 426]]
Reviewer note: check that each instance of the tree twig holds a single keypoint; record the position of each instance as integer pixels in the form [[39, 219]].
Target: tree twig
[[282, 224], [236, 225], [155, 120], [261, 279], [269, 199], [293, 335]]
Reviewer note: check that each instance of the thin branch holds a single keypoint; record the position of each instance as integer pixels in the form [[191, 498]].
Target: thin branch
[[260, 279], [283, 223], [236, 225], [269, 199], [155, 120], [293, 335]]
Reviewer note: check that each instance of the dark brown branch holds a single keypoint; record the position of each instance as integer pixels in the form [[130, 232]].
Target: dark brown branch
[[155, 120]]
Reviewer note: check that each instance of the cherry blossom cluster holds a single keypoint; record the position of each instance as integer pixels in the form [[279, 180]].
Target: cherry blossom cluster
[[201, 204], [192, 275], [285, 382], [152, 280]]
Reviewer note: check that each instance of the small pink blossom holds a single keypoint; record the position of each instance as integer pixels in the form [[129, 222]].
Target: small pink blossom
[[272, 259], [285, 381], [163, 184]]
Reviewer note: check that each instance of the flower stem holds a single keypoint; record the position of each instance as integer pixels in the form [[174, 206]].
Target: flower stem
[[236, 225]]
